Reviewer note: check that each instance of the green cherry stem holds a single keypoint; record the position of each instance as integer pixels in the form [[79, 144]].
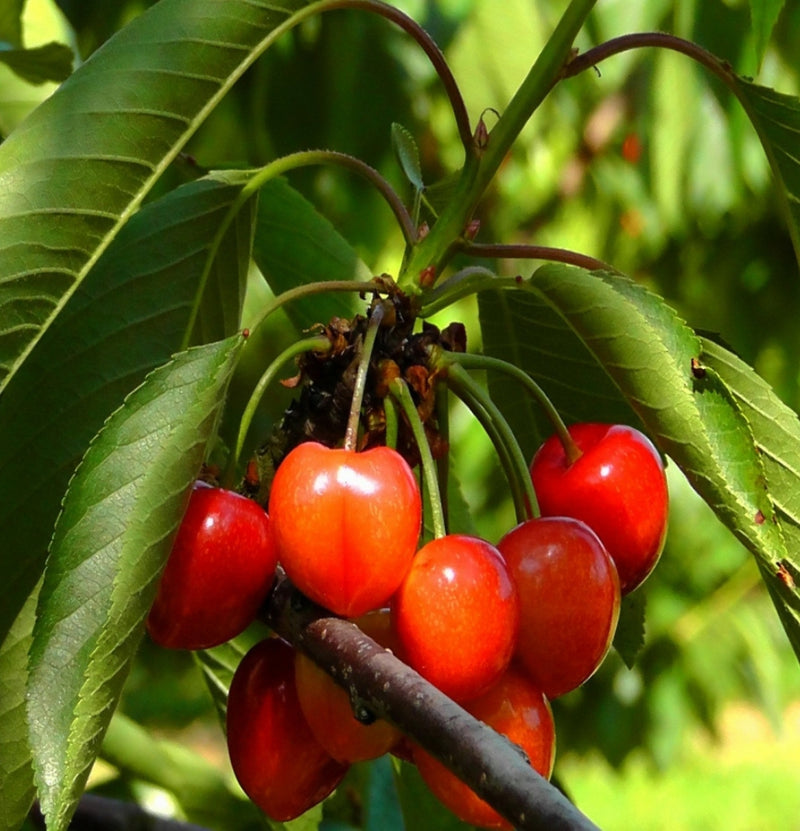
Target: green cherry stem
[[321, 287], [399, 389], [443, 462], [392, 426], [354, 419], [319, 343], [501, 434], [472, 361]]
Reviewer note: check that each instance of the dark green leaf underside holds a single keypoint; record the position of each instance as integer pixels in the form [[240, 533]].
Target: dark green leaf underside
[[51, 62], [294, 245]]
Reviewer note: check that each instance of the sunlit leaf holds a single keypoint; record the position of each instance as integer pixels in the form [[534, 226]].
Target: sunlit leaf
[[16, 772], [128, 317], [407, 152], [72, 174], [691, 413], [295, 244], [776, 429], [115, 531]]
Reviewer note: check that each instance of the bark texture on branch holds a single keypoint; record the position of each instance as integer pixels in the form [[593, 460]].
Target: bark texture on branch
[[382, 686]]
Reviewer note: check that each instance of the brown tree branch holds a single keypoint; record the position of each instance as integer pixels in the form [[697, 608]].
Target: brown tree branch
[[382, 686]]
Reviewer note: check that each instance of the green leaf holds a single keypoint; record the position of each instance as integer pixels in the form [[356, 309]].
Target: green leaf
[[50, 62], [295, 244], [218, 665], [523, 329], [128, 317], [407, 152], [10, 21], [763, 16], [776, 430], [776, 118], [220, 300], [692, 415], [629, 637], [421, 809], [16, 771], [111, 540], [73, 173]]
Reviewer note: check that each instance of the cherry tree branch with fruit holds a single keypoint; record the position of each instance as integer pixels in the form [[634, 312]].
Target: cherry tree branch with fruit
[[320, 560]]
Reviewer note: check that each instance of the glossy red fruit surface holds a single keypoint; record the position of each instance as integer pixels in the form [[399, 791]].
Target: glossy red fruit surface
[[617, 487], [515, 708], [569, 600], [346, 524], [277, 760], [328, 710], [456, 615], [219, 571]]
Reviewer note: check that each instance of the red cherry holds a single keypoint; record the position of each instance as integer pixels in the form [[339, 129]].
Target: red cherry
[[277, 760], [617, 487], [328, 710], [219, 571], [346, 524], [515, 708], [569, 600], [457, 615]]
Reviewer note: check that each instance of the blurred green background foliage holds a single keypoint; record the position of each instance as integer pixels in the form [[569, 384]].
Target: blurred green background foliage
[[647, 164]]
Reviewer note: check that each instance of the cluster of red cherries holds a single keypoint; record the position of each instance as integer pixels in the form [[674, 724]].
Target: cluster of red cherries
[[500, 629]]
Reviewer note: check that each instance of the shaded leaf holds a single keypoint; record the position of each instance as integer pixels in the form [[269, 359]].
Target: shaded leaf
[[521, 328], [421, 809], [776, 118], [16, 771], [10, 22], [128, 317], [629, 637], [294, 245], [115, 531], [50, 62], [80, 164], [217, 666], [692, 415], [763, 16]]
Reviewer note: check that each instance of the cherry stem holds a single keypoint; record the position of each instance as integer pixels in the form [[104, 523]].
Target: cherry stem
[[486, 761], [637, 40], [443, 462], [321, 287], [497, 428], [472, 361], [390, 416], [521, 251], [399, 389], [354, 419], [320, 343]]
